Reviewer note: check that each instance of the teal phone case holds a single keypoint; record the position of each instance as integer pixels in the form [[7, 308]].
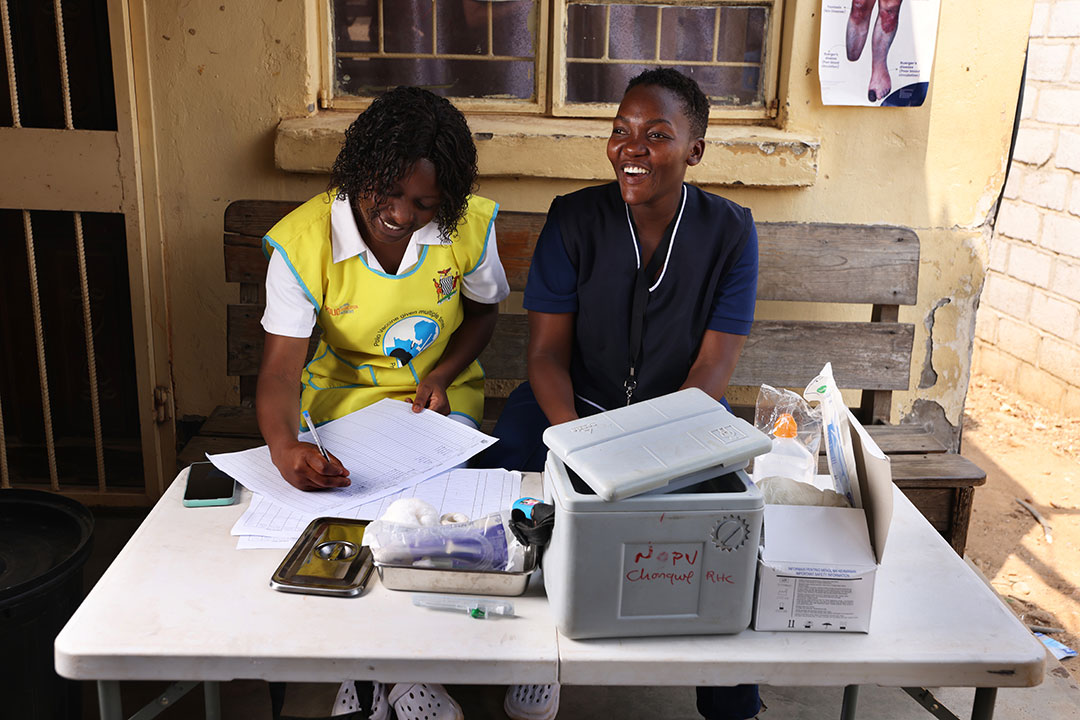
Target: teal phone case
[[213, 501], [210, 502]]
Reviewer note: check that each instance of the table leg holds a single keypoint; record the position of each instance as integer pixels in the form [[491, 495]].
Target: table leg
[[109, 706], [212, 696], [983, 708], [851, 699]]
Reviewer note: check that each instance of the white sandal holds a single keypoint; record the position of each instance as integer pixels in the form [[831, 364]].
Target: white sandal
[[347, 702], [532, 702], [424, 701]]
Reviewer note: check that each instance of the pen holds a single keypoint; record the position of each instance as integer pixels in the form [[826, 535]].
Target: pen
[[479, 608], [314, 434]]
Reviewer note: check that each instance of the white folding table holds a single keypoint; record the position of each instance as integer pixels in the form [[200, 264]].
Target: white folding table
[[934, 623], [181, 603]]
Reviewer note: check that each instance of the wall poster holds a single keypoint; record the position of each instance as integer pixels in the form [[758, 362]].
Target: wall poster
[[877, 52]]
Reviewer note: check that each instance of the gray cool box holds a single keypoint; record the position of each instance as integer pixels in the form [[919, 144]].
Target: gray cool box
[[656, 523]]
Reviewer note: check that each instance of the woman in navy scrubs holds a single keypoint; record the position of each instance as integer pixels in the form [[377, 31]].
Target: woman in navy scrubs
[[611, 324]]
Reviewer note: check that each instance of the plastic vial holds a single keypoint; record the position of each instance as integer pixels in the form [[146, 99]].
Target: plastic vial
[[788, 458]]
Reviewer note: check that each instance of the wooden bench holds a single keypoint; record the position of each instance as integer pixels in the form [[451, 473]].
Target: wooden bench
[[872, 266]]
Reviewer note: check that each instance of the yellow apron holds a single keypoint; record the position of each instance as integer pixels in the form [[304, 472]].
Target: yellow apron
[[381, 334]]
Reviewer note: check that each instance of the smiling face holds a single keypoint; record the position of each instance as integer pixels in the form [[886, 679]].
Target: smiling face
[[410, 205], [651, 145]]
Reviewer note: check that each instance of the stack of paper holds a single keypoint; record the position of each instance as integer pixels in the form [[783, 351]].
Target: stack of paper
[[390, 452]]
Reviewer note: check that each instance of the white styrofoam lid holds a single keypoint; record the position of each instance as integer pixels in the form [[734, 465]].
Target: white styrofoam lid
[[624, 452]]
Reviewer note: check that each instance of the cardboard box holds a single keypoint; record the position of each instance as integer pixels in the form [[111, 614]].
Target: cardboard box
[[817, 565]]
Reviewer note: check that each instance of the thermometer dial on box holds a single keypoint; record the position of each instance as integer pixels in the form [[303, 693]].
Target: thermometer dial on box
[[730, 533]]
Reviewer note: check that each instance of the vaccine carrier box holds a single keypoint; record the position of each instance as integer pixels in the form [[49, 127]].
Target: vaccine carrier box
[[656, 522], [817, 565]]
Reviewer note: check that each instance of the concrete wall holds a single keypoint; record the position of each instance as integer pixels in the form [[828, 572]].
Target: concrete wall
[[225, 75], [1028, 329]]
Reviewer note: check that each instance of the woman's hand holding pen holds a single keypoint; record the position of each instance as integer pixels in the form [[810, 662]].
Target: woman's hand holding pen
[[305, 468]]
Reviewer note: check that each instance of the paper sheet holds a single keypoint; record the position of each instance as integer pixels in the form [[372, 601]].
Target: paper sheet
[[260, 542], [473, 492], [385, 446]]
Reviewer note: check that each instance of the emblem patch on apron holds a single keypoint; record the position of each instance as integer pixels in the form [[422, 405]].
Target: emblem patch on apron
[[446, 284], [408, 337]]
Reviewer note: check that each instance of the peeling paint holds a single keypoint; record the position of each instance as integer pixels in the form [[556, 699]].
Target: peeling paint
[[931, 416], [929, 376]]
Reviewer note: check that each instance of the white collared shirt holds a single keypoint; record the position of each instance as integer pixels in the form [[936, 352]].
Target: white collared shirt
[[289, 312]]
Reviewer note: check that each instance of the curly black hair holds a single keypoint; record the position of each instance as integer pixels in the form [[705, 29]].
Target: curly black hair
[[694, 103], [402, 126]]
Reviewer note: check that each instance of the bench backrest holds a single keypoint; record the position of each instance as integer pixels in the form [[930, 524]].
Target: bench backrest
[[870, 265]]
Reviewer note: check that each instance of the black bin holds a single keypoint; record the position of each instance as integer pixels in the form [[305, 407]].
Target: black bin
[[44, 542]]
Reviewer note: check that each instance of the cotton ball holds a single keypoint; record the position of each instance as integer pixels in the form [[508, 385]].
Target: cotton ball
[[411, 511], [454, 518], [785, 491]]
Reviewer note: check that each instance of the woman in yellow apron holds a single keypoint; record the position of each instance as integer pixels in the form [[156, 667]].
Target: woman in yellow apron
[[397, 264]]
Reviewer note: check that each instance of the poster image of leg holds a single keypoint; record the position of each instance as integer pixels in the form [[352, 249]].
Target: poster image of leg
[[877, 52]]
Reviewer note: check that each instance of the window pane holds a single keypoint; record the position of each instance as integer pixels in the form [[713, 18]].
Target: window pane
[[600, 82], [501, 35], [720, 47], [463, 27], [514, 27], [356, 26], [585, 31], [742, 32], [687, 34], [407, 26], [633, 32], [449, 78], [727, 85]]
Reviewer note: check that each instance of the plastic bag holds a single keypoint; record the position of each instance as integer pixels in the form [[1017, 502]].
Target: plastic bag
[[796, 433], [481, 544], [772, 404], [834, 415]]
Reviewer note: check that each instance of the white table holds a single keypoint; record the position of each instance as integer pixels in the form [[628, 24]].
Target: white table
[[181, 603], [934, 623]]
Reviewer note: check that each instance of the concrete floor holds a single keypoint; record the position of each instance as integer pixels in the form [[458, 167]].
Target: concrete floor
[[1058, 698]]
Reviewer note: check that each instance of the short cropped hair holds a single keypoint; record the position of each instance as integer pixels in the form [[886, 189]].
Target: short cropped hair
[[694, 103], [402, 126]]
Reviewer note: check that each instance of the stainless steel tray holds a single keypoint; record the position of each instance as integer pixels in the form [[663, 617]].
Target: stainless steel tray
[[468, 582], [328, 559]]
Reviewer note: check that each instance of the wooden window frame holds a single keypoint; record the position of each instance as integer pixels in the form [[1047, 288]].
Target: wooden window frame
[[769, 68], [536, 105], [550, 88]]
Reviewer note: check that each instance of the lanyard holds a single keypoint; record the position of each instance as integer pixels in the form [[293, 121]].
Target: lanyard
[[640, 300]]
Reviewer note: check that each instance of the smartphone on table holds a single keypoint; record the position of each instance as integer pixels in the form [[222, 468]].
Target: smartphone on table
[[206, 485]]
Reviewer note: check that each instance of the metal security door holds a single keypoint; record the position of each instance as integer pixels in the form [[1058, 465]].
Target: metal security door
[[85, 393]]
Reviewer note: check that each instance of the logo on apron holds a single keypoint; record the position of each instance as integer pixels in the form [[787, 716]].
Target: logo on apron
[[446, 285], [408, 337]]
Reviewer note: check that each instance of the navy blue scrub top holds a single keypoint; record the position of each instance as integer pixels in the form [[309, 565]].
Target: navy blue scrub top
[[586, 262]]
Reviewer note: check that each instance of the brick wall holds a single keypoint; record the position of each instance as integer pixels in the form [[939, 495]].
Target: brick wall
[[1027, 332]]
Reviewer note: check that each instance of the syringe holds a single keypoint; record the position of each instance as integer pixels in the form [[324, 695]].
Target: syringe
[[479, 608]]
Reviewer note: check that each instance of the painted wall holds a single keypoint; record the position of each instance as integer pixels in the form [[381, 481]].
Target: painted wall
[[224, 75], [1028, 329]]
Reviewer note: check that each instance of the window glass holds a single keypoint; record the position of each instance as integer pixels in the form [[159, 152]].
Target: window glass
[[489, 50], [455, 48], [719, 46]]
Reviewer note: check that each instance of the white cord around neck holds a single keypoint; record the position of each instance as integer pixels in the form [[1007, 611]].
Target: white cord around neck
[[674, 232]]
